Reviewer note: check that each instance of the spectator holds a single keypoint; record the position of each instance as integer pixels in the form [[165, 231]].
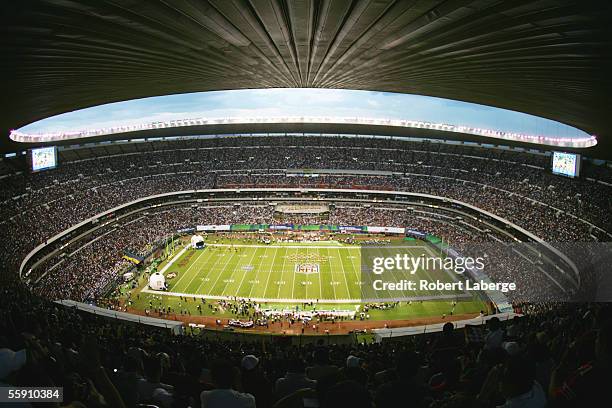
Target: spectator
[[322, 367], [587, 385], [349, 394], [225, 394], [294, 379], [495, 335], [404, 381], [150, 388], [255, 382]]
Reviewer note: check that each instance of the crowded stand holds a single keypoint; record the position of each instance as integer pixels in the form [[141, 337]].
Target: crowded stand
[[306, 204], [86, 271], [525, 212], [553, 356], [512, 185]]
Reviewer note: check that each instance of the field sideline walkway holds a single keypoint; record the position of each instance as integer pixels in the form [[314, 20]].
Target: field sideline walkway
[[275, 300]]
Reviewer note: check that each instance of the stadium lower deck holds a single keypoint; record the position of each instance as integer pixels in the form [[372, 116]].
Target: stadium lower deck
[[285, 277]]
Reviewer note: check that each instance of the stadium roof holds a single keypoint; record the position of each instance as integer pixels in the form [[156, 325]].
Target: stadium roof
[[304, 124], [550, 58]]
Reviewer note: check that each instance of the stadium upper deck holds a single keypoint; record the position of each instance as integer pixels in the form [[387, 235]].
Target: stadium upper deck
[[93, 179]]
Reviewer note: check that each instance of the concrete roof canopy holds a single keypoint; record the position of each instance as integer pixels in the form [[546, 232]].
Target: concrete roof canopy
[[550, 58]]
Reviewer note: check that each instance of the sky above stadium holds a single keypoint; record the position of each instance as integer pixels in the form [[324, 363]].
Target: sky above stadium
[[260, 103]]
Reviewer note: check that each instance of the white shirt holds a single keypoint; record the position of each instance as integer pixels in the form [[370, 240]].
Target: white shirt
[[226, 398]]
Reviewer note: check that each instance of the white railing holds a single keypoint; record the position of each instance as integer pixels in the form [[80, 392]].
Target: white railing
[[175, 326], [380, 334]]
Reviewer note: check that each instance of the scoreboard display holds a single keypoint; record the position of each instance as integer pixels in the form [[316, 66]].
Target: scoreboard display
[[43, 158], [566, 164]]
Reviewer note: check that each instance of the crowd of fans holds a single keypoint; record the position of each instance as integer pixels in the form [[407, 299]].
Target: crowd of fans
[[85, 270], [514, 185], [554, 356], [543, 220]]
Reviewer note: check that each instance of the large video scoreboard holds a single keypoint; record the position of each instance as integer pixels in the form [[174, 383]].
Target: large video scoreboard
[[566, 164], [43, 158]]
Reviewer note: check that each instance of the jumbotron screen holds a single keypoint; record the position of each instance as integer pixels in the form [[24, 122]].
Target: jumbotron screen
[[566, 164], [44, 158]]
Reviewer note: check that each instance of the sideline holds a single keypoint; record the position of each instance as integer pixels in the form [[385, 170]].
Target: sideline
[[313, 246], [318, 301]]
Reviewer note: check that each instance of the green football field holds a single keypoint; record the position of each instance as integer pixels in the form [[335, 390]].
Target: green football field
[[326, 272]]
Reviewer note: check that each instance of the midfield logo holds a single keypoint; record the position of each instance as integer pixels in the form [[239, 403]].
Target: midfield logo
[[307, 269]]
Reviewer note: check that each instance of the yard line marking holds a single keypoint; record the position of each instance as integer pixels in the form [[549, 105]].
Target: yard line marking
[[221, 273], [386, 252], [197, 272], [428, 274], [357, 273], [245, 273], [331, 271], [292, 282], [348, 291], [270, 271], [207, 268], [282, 272], [320, 280], [210, 269], [229, 279], [187, 270]]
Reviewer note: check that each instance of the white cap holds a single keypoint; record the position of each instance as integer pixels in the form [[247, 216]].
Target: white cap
[[352, 361], [249, 362], [11, 361]]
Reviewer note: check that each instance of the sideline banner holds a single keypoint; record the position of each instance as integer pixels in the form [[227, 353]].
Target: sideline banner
[[386, 230], [213, 227]]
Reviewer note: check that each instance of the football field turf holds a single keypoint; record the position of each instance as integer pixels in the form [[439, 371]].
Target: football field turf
[[327, 272]]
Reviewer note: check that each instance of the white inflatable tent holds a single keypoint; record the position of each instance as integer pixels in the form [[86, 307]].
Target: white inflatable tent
[[195, 240], [157, 281]]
